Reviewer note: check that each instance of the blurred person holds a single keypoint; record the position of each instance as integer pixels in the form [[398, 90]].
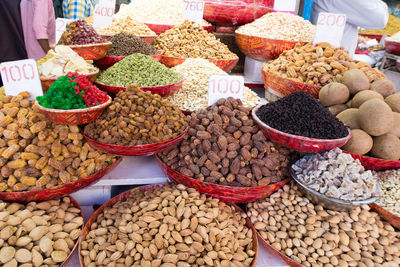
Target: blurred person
[[39, 26], [77, 9], [369, 14], [12, 46]]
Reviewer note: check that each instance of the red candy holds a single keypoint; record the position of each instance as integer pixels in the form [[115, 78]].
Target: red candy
[[91, 94]]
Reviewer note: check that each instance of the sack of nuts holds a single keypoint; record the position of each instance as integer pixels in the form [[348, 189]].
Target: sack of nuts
[[225, 146], [38, 234], [169, 225], [137, 118], [36, 153]]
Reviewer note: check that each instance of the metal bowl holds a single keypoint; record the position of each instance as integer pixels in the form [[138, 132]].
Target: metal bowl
[[329, 202]]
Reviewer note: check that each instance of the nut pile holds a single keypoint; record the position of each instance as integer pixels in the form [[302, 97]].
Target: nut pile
[[317, 65], [169, 226], [126, 25], [193, 94], [280, 26], [224, 146], [392, 26], [337, 175], [36, 153], [124, 44], [314, 236], [390, 183], [38, 234], [136, 118], [155, 11], [190, 40]]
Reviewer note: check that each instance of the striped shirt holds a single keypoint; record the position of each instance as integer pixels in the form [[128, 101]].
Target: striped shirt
[[77, 9]]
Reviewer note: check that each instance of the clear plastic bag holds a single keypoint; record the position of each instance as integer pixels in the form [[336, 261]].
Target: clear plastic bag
[[235, 12]]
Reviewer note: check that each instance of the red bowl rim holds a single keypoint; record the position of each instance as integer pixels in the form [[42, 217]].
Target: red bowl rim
[[303, 138], [31, 192], [375, 206], [124, 195], [146, 146], [237, 35], [86, 75], [116, 57], [372, 158], [292, 81], [215, 59], [227, 187], [148, 87], [172, 25], [90, 45], [82, 110]]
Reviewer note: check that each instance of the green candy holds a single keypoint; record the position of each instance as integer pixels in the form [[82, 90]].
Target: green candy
[[140, 69]]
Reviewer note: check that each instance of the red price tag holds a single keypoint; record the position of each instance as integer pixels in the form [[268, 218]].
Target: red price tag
[[19, 76], [193, 10], [221, 86], [103, 13], [330, 28]]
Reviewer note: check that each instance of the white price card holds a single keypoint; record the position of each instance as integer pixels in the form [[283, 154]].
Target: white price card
[[19, 76], [330, 28], [224, 86], [61, 24], [103, 13], [287, 6], [193, 10]]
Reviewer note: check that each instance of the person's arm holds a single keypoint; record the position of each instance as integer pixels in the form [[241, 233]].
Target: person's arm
[[40, 23], [370, 14]]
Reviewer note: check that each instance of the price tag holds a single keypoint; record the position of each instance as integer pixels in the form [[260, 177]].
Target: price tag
[[285, 6], [221, 86], [330, 28], [19, 76], [193, 10], [61, 24], [103, 13]]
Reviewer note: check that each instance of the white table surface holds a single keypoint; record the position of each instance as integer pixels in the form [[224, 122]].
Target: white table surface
[[145, 170]]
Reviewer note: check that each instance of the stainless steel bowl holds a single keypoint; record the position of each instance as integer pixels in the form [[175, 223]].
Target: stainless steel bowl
[[329, 202]]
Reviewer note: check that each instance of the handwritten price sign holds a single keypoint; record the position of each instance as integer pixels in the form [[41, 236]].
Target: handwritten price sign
[[193, 10], [285, 6], [19, 76], [61, 24], [221, 86], [330, 28], [103, 13]]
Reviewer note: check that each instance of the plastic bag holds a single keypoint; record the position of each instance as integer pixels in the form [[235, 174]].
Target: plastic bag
[[234, 12]]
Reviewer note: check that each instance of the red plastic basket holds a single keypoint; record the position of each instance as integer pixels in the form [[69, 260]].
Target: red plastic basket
[[387, 215], [47, 82], [161, 28], [263, 49], [57, 191], [74, 116], [71, 254], [283, 87], [392, 47], [123, 196], [109, 61], [225, 193], [376, 164], [91, 51], [224, 64], [136, 151], [235, 12], [295, 142], [162, 90]]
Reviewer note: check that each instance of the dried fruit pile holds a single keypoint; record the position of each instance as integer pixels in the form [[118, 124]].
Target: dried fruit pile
[[124, 44], [126, 25], [136, 118], [169, 226], [190, 40], [317, 65], [314, 236], [38, 234], [72, 92], [36, 153], [224, 146], [79, 32]]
